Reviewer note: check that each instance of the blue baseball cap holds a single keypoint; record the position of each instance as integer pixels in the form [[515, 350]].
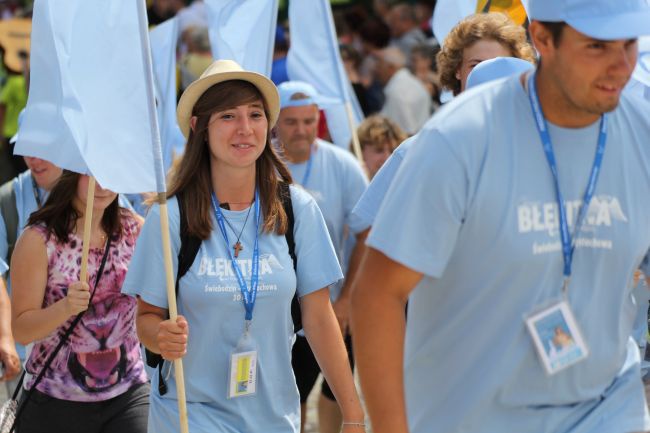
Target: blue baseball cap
[[300, 93], [599, 19], [493, 69]]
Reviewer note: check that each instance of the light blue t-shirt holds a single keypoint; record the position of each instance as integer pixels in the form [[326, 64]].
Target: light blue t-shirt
[[209, 297], [3, 267], [365, 211], [473, 208], [336, 181]]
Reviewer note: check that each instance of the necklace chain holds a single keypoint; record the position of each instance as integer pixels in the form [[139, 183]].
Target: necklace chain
[[237, 245]]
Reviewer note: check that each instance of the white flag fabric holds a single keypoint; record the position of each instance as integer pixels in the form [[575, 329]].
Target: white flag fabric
[[640, 81], [642, 70], [87, 106], [243, 31], [447, 14], [163, 52], [314, 57]]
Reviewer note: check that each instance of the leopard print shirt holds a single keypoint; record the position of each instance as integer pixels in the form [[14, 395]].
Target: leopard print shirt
[[102, 358]]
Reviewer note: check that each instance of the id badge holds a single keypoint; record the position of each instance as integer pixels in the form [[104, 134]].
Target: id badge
[[243, 369], [557, 337]]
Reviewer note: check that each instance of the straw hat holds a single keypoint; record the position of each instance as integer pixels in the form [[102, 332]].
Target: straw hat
[[220, 71]]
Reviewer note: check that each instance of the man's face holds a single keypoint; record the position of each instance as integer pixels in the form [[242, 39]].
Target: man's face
[[589, 74], [297, 128]]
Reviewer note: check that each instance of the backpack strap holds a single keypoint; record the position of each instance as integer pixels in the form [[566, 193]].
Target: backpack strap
[[190, 246], [9, 213], [285, 196]]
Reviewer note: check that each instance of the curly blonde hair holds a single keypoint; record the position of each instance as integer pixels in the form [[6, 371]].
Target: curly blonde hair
[[493, 26], [376, 130]]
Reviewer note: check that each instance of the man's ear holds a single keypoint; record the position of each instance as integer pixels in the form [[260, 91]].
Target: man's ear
[[193, 123], [541, 37]]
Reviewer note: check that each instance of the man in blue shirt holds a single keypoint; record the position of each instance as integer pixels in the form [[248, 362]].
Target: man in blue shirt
[[336, 181], [519, 215]]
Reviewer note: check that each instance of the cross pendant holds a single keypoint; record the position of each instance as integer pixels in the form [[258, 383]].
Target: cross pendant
[[237, 247]]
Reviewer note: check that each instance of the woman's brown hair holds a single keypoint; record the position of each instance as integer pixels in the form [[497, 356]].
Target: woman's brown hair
[[191, 176], [59, 215], [494, 26]]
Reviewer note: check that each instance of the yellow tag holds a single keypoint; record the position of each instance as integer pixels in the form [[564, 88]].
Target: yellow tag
[[243, 374]]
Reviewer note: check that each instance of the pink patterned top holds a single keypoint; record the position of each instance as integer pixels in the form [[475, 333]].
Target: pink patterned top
[[102, 358]]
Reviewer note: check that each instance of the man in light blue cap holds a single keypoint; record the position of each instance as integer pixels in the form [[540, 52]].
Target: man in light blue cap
[[336, 181], [514, 227]]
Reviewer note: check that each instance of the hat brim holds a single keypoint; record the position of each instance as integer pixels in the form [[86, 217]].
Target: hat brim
[[196, 89], [627, 25]]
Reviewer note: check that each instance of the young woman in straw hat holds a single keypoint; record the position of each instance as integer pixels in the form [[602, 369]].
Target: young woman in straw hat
[[234, 330]]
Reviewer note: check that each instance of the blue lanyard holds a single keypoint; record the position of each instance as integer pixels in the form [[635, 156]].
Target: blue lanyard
[[568, 246], [305, 178], [248, 296]]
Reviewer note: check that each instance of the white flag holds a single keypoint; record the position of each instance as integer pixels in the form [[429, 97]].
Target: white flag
[[243, 31], [447, 14], [163, 52], [314, 57], [87, 108]]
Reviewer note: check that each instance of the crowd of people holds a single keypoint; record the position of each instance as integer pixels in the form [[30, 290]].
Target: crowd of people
[[478, 264]]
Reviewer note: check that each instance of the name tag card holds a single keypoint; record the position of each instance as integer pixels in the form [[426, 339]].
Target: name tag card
[[243, 374], [557, 337]]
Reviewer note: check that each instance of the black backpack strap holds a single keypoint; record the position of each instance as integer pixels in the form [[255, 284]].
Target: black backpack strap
[[285, 195], [190, 246], [9, 215]]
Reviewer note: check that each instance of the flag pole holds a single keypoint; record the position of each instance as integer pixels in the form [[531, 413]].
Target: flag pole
[[356, 146], [162, 200], [88, 218]]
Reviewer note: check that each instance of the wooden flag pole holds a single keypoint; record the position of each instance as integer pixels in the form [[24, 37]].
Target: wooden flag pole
[[162, 200], [173, 310], [356, 146], [88, 219]]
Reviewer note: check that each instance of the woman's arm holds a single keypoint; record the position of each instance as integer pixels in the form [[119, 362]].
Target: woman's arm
[[378, 302], [324, 336], [8, 355], [161, 335], [30, 321]]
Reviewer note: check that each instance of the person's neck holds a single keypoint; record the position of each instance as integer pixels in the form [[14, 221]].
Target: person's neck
[[97, 235], [298, 156], [557, 108], [234, 186]]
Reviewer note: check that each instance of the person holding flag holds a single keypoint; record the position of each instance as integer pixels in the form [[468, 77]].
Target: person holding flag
[[234, 330], [96, 382], [521, 207]]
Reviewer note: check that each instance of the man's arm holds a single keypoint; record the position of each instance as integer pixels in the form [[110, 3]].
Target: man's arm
[[378, 301]]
